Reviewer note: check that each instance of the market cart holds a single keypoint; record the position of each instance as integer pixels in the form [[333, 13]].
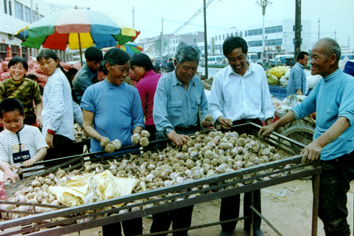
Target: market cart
[[66, 220]]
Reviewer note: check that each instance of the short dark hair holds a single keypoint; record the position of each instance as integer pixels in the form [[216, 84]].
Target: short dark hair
[[143, 60], [93, 54], [114, 56], [16, 60], [32, 77], [72, 71], [11, 104], [301, 55], [157, 68], [231, 43]]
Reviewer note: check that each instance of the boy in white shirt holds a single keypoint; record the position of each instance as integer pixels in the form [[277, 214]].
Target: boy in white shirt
[[19, 143]]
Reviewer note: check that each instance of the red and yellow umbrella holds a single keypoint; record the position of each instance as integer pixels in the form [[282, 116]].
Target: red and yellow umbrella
[[76, 29]]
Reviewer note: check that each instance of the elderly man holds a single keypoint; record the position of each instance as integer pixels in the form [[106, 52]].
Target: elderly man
[[178, 99], [87, 75], [297, 79], [240, 94], [333, 101]]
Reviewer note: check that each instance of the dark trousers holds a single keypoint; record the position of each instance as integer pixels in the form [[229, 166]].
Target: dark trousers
[[230, 207], [130, 227], [181, 218], [63, 147], [152, 131], [334, 186]]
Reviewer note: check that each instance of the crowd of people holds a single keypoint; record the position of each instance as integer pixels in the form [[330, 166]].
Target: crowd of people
[[172, 106]]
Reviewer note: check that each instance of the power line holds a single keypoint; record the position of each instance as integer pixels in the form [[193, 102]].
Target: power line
[[172, 9], [182, 26], [192, 18]]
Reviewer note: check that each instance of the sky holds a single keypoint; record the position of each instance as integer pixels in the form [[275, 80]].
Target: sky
[[336, 17]]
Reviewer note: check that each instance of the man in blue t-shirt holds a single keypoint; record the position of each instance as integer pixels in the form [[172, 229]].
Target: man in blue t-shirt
[[333, 101]]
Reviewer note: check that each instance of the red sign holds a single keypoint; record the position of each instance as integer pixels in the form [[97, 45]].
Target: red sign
[[9, 52]]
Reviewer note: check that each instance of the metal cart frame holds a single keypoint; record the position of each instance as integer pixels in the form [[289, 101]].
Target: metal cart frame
[[73, 219]]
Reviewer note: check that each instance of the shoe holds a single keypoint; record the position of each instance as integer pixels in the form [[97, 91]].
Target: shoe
[[258, 232], [224, 233]]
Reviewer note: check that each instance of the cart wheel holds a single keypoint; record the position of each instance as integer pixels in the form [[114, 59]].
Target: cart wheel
[[300, 133]]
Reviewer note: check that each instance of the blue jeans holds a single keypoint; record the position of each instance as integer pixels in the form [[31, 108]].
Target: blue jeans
[[334, 186]]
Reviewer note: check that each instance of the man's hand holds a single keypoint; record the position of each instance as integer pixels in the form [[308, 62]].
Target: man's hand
[[225, 123], [178, 139], [265, 130], [208, 122], [311, 152]]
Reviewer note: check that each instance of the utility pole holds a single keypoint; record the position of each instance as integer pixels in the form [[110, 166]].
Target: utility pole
[[298, 28], [133, 18], [335, 35], [161, 40], [263, 4], [319, 29], [205, 42]]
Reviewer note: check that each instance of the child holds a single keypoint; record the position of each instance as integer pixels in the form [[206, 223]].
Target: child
[[26, 90], [19, 143], [35, 79]]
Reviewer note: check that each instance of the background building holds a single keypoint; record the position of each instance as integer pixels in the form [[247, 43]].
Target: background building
[[279, 38], [17, 14], [152, 46]]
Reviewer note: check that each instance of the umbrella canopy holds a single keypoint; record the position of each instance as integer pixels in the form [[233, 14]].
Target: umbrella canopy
[[76, 28], [130, 48]]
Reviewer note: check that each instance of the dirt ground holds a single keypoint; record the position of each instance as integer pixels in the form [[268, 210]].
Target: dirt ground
[[287, 206]]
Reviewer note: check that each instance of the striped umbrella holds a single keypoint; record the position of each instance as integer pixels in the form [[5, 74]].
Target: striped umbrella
[[130, 48], [76, 29]]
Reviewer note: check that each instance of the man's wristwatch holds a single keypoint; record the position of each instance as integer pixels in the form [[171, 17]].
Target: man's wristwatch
[[167, 131]]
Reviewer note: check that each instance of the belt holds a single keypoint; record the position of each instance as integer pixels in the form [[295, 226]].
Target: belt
[[243, 121], [188, 129]]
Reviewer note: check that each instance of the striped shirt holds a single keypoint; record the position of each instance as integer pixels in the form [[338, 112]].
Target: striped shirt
[[30, 138], [25, 90], [57, 113]]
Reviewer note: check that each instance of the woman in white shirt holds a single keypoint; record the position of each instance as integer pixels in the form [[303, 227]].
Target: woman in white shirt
[[57, 114]]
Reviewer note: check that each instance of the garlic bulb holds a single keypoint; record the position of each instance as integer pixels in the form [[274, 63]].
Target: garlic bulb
[[145, 133], [144, 141], [135, 139], [117, 144], [104, 142], [109, 148]]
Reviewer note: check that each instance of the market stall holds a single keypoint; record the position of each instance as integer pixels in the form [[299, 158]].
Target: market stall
[[201, 188]]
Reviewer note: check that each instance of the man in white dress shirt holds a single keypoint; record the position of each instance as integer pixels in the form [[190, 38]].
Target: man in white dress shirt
[[239, 94]]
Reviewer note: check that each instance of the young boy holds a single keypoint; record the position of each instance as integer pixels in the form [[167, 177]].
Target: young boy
[[19, 143]]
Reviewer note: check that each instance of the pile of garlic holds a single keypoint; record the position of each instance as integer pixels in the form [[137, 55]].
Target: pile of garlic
[[38, 193], [204, 155]]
